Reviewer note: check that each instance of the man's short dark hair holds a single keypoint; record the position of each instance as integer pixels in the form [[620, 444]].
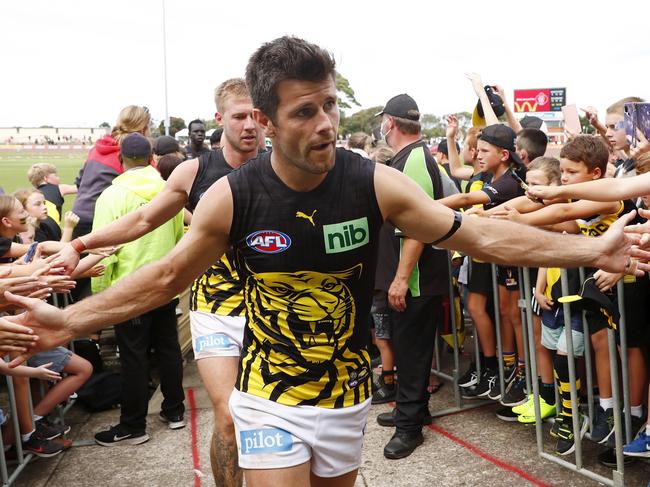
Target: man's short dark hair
[[198, 120], [285, 58], [532, 141], [589, 150]]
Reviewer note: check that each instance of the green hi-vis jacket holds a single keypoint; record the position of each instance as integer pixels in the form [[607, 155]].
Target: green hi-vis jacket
[[128, 192]]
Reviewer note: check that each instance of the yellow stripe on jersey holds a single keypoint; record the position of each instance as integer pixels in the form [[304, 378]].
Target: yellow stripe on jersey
[[219, 290], [298, 340]]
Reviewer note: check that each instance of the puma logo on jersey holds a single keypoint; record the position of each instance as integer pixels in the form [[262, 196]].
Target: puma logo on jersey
[[300, 214]]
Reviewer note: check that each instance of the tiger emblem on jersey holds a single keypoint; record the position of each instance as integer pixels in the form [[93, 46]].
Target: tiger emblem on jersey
[[301, 324]]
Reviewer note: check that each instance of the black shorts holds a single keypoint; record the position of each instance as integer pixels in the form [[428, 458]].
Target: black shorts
[[480, 278], [636, 313], [508, 276]]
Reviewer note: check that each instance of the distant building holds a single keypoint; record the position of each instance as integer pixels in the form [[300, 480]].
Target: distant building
[[51, 135]]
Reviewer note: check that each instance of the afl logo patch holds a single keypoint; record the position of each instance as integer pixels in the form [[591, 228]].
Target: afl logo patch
[[268, 241]]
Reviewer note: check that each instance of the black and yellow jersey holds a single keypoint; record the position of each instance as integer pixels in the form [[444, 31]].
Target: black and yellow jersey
[[592, 226], [476, 183], [307, 260], [219, 289]]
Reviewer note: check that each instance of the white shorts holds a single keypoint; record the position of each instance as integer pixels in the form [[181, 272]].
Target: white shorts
[[271, 435], [216, 335]]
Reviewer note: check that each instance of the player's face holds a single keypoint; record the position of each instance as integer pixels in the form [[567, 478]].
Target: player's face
[[35, 206], [197, 134], [306, 124], [615, 131], [239, 127], [490, 156], [576, 172]]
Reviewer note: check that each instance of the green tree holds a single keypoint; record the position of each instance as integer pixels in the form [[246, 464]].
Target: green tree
[[432, 125], [175, 124], [345, 92], [361, 121]]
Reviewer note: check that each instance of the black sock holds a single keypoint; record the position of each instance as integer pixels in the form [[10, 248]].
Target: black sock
[[547, 392], [491, 363]]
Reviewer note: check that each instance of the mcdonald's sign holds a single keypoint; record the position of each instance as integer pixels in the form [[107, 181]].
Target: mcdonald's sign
[[540, 100]]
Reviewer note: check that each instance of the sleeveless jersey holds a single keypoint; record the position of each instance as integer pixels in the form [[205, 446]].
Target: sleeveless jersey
[[219, 289], [307, 260]]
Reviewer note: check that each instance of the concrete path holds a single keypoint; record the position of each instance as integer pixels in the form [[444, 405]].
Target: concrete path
[[472, 448]]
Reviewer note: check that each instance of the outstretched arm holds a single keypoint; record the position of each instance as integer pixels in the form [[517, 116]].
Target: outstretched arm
[[606, 189], [407, 207], [148, 288], [164, 206], [479, 89], [458, 169]]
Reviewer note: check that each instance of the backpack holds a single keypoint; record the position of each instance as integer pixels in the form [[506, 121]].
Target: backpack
[[101, 392], [89, 350]]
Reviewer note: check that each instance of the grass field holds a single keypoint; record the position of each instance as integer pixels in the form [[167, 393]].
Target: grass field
[[14, 166]]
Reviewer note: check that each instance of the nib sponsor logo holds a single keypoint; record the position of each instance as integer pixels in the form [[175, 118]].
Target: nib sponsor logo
[[266, 440], [344, 236]]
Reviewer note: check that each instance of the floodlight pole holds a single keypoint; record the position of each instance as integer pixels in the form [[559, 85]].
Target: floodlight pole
[[165, 67]]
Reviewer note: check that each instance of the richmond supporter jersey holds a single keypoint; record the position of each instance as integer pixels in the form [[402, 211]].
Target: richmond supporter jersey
[[308, 261], [219, 289]]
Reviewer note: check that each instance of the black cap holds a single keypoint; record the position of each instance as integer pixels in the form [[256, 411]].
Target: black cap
[[402, 106], [598, 305], [165, 144], [478, 117], [442, 147], [504, 137], [135, 146]]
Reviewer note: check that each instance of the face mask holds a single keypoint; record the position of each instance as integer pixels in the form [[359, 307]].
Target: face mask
[[382, 134]]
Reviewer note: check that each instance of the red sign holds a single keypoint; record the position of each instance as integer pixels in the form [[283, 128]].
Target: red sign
[[540, 100]]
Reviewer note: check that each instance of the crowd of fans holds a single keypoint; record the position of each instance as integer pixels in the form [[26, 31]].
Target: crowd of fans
[[498, 170]]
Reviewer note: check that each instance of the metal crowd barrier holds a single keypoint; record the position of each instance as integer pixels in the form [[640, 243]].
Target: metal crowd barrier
[[617, 478], [7, 475], [459, 403], [528, 338]]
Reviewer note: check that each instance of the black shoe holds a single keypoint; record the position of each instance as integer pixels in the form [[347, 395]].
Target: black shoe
[[41, 447], [603, 426], [48, 431], [506, 414], [608, 459], [384, 392], [469, 392], [174, 421], [401, 445], [515, 393], [637, 425], [388, 419], [470, 377], [486, 382], [565, 436], [495, 388], [119, 435]]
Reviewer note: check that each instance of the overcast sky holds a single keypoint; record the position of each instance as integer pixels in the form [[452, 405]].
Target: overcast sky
[[77, 63]]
